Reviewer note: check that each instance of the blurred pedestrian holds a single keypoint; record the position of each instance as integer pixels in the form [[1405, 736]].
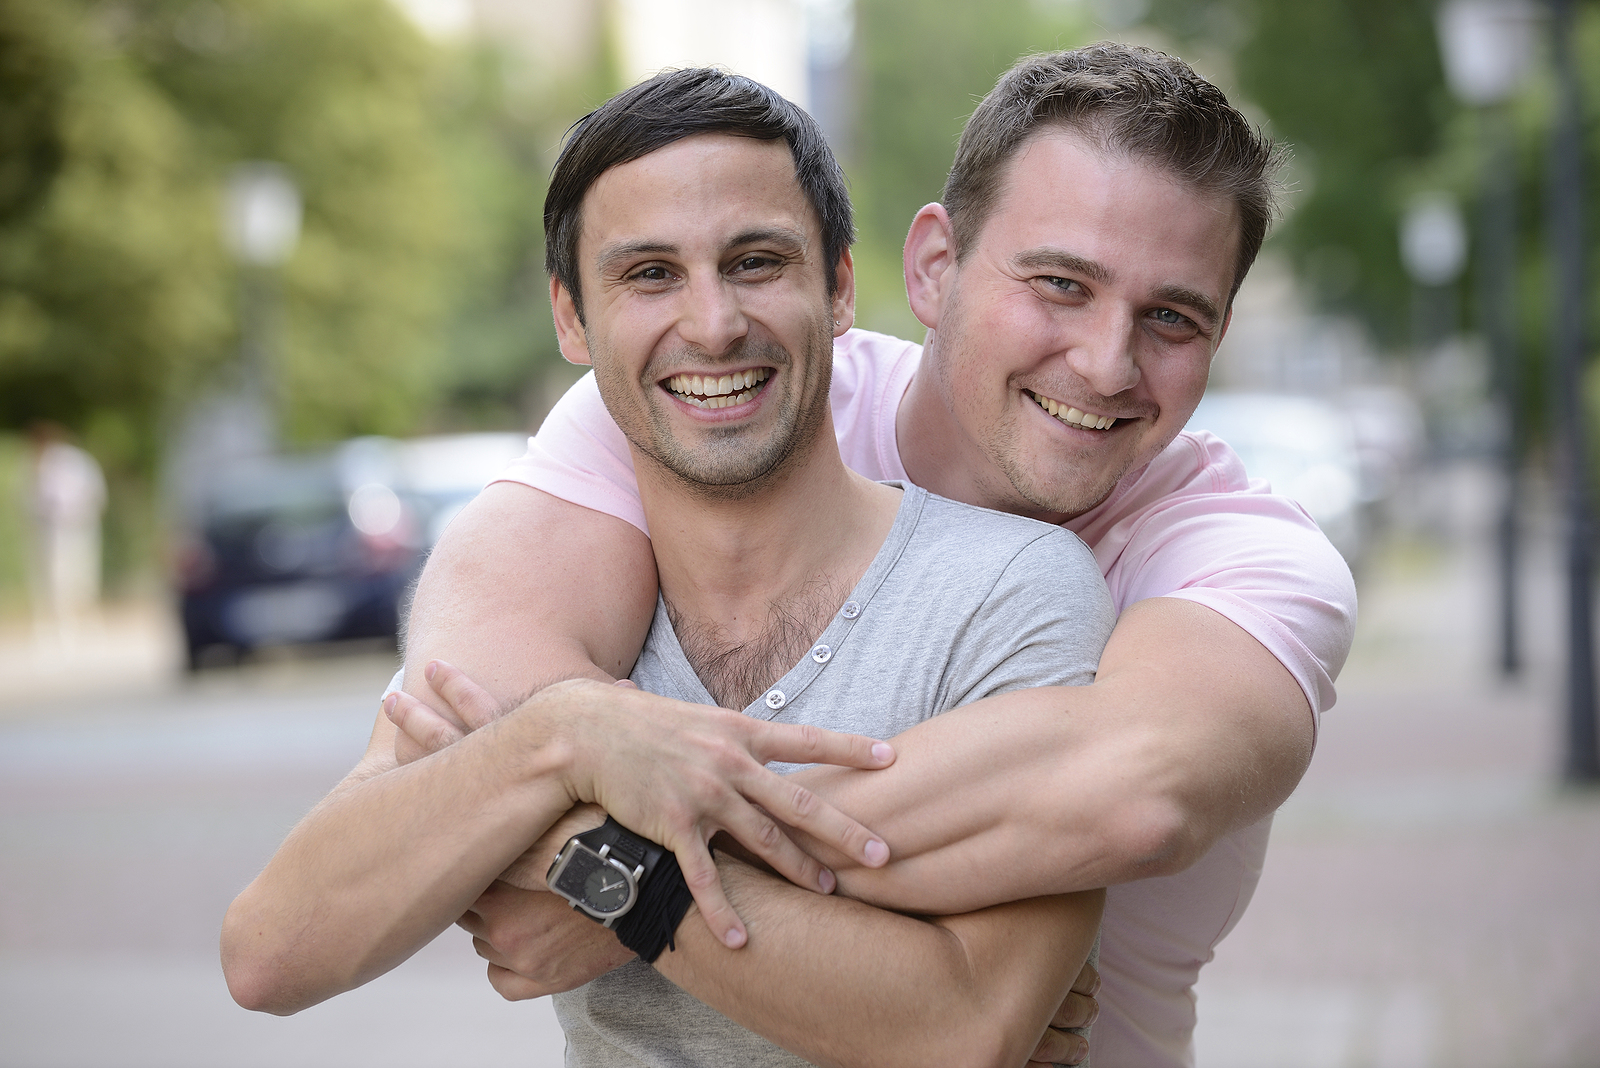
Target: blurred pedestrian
[[67, 495]]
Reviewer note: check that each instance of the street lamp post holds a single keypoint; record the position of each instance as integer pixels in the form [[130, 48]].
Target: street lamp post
[[261, 224], [1567, 244], [1487, 46]]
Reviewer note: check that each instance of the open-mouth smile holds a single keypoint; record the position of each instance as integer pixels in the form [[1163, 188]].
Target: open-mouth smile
[[1072, 416], [718, 391]]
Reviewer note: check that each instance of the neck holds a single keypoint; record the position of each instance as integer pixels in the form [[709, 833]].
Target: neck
[[750, 582]]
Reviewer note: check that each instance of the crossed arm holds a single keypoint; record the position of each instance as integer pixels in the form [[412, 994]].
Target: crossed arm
[[1190, 730]]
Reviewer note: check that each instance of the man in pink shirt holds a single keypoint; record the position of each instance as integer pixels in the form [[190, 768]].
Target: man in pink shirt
[[1103, 208]]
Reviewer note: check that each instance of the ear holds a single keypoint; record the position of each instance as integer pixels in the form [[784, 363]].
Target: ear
[[570, 334], [844, 294], [930, 263]]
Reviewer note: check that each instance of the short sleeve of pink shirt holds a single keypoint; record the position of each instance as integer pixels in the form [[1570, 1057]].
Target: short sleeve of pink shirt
[[1188, 525]]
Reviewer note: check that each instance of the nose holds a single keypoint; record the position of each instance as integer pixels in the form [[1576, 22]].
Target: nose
[[1105, 356], [712, 318]]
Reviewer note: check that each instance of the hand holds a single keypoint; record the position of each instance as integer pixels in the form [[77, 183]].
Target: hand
[[677, 773], [1079, 1009], [537, 944], [424, 729]]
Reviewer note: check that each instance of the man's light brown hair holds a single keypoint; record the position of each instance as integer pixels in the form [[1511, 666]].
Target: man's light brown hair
[[1127, 99]]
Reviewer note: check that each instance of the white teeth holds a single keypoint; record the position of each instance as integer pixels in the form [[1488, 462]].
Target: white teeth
[[713, 392], [1072, 416]]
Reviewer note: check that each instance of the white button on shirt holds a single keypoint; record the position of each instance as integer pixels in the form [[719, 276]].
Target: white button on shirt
[[775, 699]]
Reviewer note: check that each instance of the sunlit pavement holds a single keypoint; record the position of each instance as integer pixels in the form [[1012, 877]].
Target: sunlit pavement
[[1431, 898], [127, 824]]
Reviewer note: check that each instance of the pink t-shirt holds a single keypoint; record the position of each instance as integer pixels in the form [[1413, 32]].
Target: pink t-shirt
[[1189, 525]]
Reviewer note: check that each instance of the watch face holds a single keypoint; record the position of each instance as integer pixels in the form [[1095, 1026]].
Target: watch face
[[599, 885], [606, 889]]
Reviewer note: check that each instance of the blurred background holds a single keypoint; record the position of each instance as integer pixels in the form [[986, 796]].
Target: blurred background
[[272, 308]]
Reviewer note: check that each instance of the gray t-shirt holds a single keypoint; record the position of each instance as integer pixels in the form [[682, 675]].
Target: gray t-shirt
[[960, 603]]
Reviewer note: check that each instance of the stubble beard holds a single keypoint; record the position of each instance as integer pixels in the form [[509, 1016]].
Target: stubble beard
[[1030, 488], [737, 462]]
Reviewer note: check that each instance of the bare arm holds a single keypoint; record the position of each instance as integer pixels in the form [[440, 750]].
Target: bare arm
[[1191, 729], [842, 983], [837, 981], [525, 589]]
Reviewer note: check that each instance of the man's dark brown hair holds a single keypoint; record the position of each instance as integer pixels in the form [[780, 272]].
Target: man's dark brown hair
[[669, 107], [1127, 99]]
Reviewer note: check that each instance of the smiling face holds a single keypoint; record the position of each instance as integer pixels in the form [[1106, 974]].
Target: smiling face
[[707, 314], [1073, 340]]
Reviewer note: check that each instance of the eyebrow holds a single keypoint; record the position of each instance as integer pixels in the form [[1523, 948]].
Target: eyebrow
[[1057, 259], [1195, 299], [1067, 263], [629, 250], [780, 236]]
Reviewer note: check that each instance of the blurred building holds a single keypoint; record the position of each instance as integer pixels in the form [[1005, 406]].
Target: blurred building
[[798, 47]]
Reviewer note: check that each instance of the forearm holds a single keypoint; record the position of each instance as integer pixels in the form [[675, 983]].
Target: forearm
[[842, 983], [388, 860], [1192, 729]]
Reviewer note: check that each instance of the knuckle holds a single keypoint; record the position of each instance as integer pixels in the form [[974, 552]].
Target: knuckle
[[812, 738], [703, 877], [767, 836], [802, 802]]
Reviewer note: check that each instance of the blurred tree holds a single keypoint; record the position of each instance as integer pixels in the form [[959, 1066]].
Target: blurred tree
[[415, 297], [339, 92], [923, 65], [110, 285], [1357, 88]]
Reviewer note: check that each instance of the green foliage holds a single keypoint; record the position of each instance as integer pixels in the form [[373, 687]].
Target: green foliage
[[109, 277], [923, 67], [415, 298], [337, 91]]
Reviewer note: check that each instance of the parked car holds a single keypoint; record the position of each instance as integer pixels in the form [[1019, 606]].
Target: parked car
[[324, 546], [446, 471], [1304, 447]]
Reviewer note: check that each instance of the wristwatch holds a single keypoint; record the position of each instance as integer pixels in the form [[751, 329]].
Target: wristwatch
[[603, 871]]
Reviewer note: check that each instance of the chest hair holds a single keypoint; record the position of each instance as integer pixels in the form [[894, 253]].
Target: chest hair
[[737, 672]]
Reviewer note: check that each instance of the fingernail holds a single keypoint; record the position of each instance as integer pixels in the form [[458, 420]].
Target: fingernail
[[427, 672], [1080, 1051], [876, 853], [734, 938], [389, 703], [882, 752], [826, 881]]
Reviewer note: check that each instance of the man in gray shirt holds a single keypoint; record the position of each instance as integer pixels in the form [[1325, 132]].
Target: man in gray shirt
[[791, 587]]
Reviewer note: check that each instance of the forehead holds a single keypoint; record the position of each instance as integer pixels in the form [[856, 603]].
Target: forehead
[[1063, 190], [698, 192]]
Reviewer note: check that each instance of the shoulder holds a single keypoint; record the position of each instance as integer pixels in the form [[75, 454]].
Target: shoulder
[[1193, 498], [994, 548], [871, 370]]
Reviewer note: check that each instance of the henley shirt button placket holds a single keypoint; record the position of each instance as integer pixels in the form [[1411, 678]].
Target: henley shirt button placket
[[822, 654], [850, 610], [776, 700]]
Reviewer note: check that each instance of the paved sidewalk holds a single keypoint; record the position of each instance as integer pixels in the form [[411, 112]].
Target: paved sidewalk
[[1431, 897]]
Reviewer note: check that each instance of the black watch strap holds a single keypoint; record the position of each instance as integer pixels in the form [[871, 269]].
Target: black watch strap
[[650, 926], [633, 851]]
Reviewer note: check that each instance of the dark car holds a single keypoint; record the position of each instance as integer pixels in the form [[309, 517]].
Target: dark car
[[308, 548]]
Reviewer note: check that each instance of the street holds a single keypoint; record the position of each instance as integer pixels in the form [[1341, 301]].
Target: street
[[127, 824], [1431, 897]]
